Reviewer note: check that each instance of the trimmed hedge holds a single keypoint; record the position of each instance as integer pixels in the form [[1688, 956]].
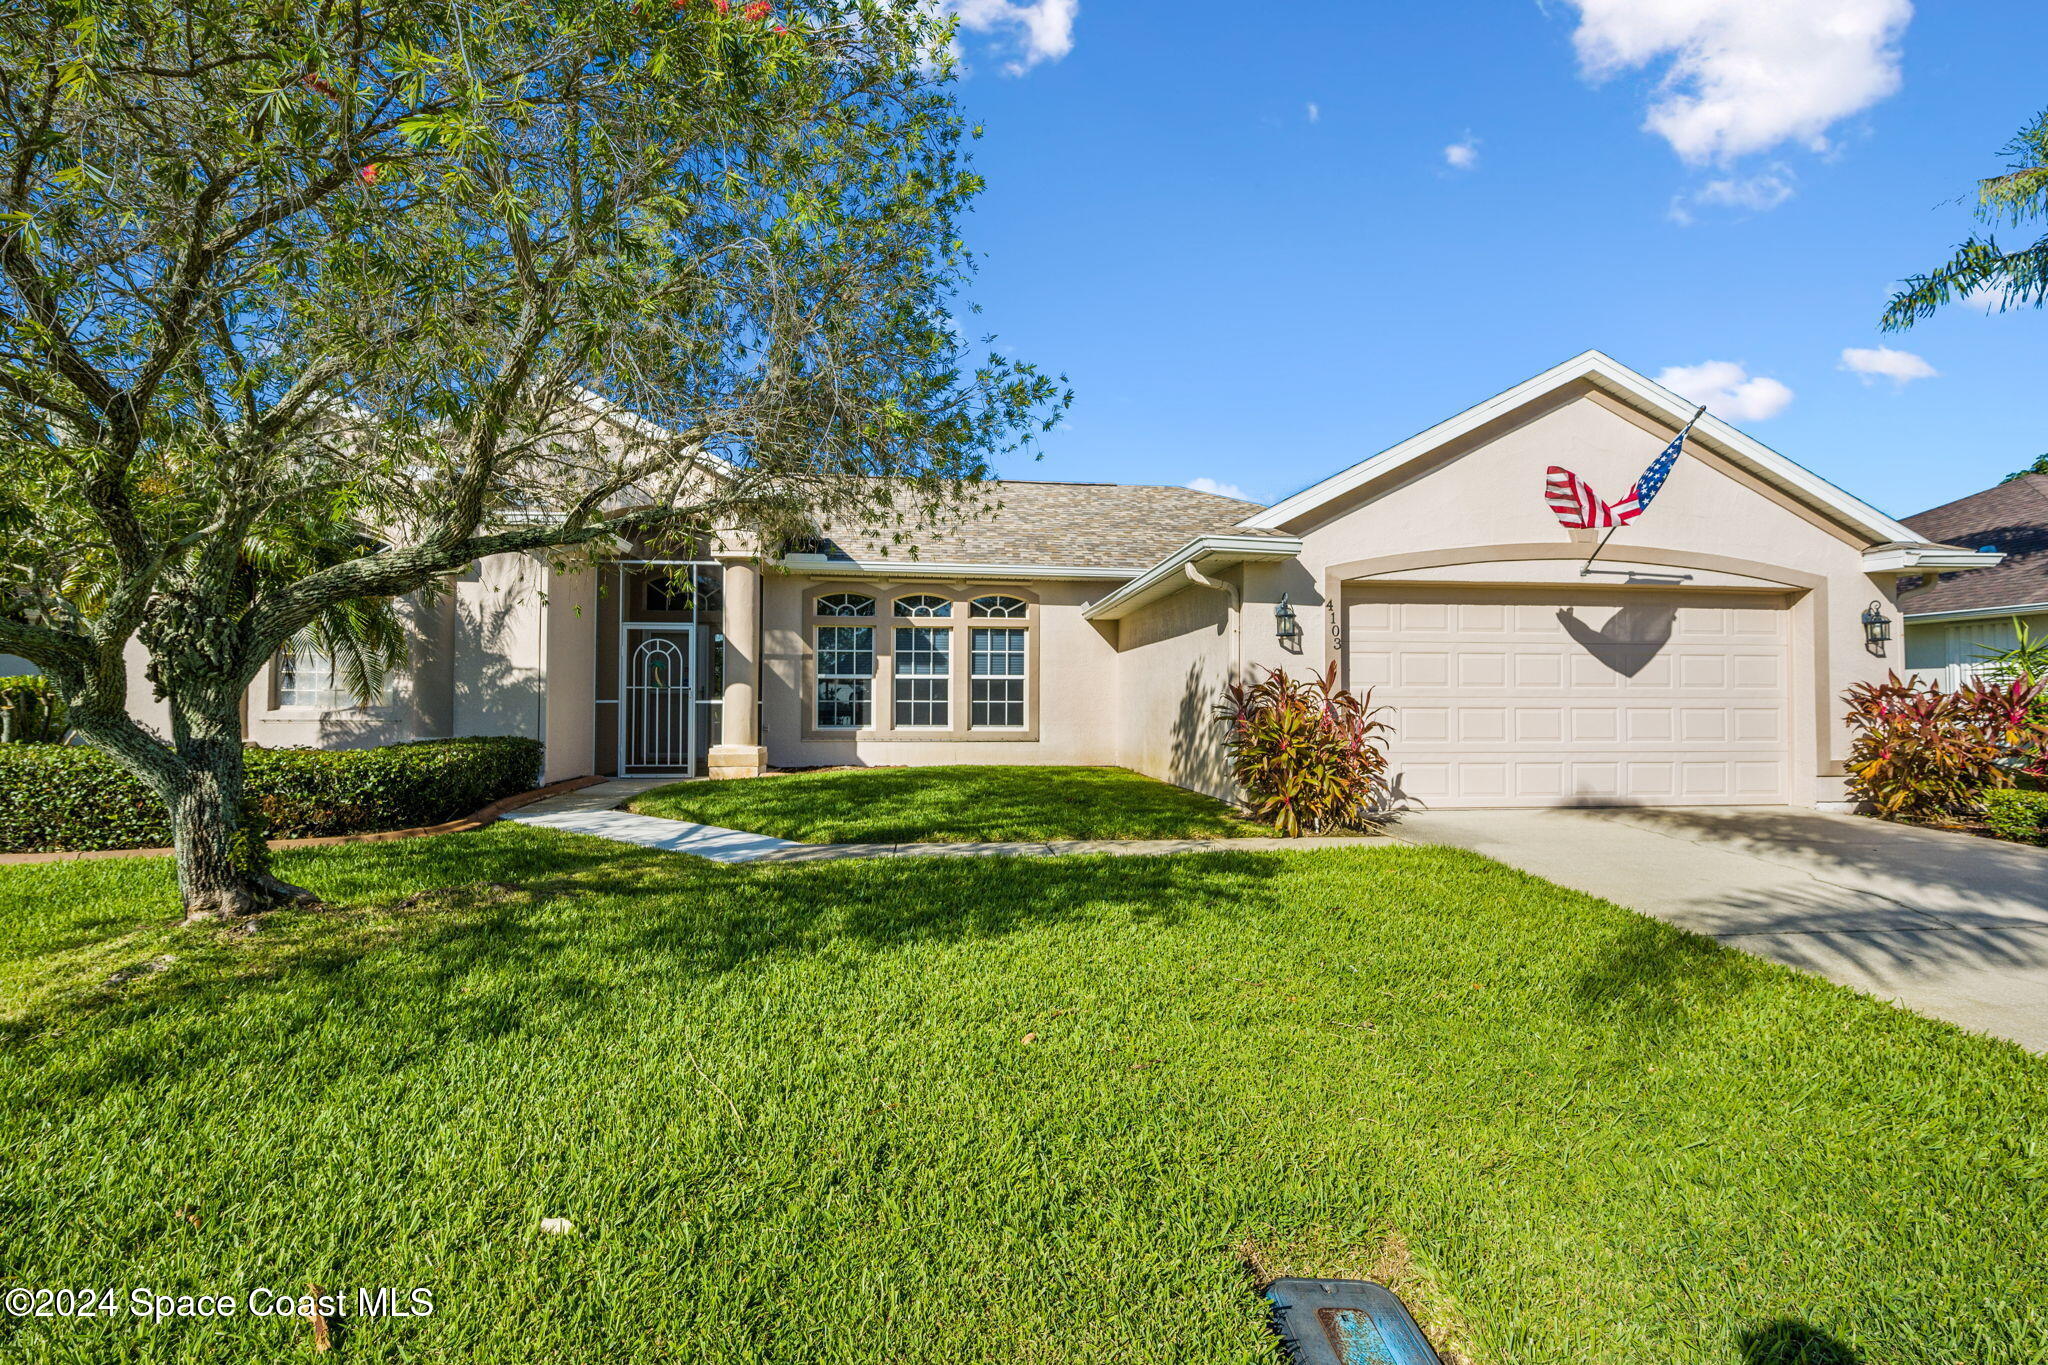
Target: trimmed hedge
[[2017, 814], [67, 798]]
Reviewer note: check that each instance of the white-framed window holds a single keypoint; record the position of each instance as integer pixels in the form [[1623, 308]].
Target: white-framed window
[[924, 675], [846, 676], [996, 679], [305, 677], [997, 607], [846, 604], [924, 604]]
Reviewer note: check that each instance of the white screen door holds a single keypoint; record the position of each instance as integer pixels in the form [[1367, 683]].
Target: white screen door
[[660, 688]]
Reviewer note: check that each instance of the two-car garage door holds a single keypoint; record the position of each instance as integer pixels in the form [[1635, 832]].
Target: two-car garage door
[[1567, 696]]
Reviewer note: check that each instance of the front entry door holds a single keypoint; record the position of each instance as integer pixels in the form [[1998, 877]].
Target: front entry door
[[659, 735]]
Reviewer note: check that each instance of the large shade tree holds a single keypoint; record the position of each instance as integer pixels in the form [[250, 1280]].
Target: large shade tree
[[305, 306]]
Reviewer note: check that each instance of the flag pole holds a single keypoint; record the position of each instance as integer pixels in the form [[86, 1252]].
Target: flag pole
[[1586, 569]]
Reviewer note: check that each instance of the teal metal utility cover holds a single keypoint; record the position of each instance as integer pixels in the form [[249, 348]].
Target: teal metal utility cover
[[1346, 1322]]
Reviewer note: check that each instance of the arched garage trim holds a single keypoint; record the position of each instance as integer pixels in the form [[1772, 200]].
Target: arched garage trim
[[1809, 617]]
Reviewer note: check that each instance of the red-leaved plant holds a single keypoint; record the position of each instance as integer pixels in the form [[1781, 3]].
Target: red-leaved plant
[[1921, 753], [1307, 754]]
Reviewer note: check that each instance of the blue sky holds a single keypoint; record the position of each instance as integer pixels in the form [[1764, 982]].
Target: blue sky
[[1238, 229]]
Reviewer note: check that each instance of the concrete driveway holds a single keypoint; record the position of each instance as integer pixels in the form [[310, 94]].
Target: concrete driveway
[[1946, 924]]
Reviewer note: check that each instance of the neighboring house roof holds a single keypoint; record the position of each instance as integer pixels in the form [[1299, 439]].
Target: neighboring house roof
[[1093, 529], [2011, 518], [1900, 547]]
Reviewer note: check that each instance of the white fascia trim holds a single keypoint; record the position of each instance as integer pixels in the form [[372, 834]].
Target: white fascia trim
[[1945, 558], [1225, 548], [1624, 383], [819, 565], [1916, 618]]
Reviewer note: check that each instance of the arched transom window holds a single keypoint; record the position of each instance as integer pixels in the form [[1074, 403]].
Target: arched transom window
[[846, 604], [998, 607], [924, 604]]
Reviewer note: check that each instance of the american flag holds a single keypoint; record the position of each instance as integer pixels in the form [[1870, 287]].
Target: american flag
[[1580, 509]]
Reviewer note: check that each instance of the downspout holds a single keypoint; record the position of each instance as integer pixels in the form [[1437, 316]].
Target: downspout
[[1236, 598]]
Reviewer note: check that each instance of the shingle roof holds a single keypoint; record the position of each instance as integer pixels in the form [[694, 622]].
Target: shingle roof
[[2012, 518], [1078, 525]]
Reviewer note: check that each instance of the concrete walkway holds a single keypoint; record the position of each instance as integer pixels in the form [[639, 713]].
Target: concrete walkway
[[1952, 926], [593, 811]]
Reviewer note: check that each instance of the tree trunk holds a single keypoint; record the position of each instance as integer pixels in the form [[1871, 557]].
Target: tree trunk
[[223, 863]]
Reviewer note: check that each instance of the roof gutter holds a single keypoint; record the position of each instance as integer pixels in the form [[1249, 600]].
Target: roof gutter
[[1941, 558], [1977, 613], [920, 568], [1192, 564]]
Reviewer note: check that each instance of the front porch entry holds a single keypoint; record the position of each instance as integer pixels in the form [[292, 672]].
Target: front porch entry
[[661, 665]]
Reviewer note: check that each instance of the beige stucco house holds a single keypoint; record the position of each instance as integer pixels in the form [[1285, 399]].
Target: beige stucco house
[[1699, 660]]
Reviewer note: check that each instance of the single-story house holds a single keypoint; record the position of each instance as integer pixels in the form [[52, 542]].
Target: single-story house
[[1954, 619], [1700, 659]]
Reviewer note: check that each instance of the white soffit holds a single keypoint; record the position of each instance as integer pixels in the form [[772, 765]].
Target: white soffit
[[1210, 552], [1638, 391]]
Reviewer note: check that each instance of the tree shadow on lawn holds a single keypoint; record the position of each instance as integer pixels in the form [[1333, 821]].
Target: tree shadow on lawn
[[1791, 1342], [496, 935], [1653, 980]]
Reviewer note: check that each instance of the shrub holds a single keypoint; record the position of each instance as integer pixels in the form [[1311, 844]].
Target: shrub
[[1307, 754], [2018, 815], [1924, 754], [56, 797], [29, 712]]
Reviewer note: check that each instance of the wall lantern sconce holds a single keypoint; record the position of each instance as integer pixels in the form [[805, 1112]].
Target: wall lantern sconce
[[1877, 629], [1286, 625]]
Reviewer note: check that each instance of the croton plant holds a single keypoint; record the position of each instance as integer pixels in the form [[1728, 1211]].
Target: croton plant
[[1308, 755], [1925, 753]]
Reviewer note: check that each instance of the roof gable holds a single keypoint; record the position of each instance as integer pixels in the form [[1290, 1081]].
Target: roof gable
[[1644, 395]]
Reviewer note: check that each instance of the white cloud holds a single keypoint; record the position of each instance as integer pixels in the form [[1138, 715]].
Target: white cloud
[[1205, 484], [1315, 112], [1463, 154], [1040, 30], [1882, 362], [1747, 75], [1728, 389], [1756, 193]]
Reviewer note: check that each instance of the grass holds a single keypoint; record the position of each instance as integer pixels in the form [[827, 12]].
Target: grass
[[976, 1110], [950, 805]]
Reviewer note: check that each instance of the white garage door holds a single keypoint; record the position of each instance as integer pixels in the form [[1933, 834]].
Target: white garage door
[[1560, 696]]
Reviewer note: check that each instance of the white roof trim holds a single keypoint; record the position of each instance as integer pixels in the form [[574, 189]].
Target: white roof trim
[[1946, 558], [1166, 577], [921, 568], [606, 410], [1637, 390], [1977, 613]]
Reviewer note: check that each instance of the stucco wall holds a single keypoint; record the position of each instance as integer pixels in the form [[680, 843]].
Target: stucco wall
[[1077, 676], [1485, 496], [1177, 657]]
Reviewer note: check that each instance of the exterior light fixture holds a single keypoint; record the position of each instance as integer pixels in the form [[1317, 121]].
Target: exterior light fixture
[[1286, 625], [1877, 628]]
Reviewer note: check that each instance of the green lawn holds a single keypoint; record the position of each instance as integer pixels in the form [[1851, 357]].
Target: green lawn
[[951, 805], [983, 1110]]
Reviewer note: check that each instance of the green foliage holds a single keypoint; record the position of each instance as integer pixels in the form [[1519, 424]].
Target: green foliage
[[1307, 754], [2039, 466], [792, 1114], [58, 797], [1921, 753], [31, 712], [2016, 814], [1981, 268], [993, 803]]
